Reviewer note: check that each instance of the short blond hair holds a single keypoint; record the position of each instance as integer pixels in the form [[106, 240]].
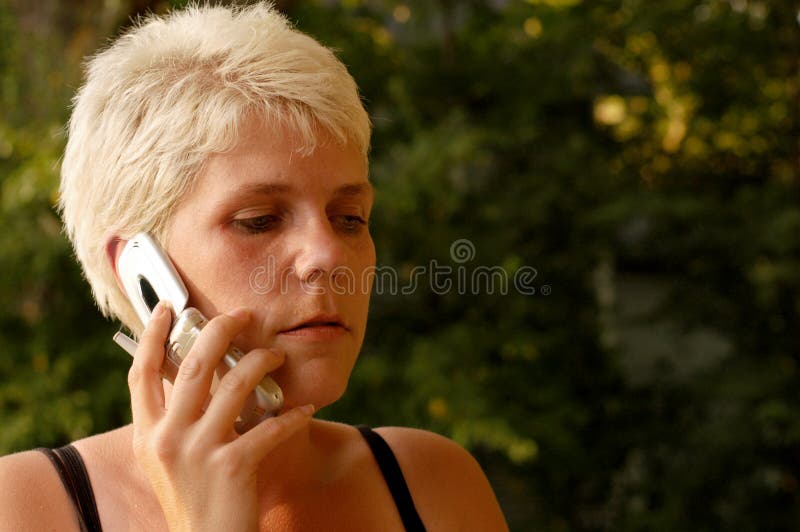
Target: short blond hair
[[170, 92]]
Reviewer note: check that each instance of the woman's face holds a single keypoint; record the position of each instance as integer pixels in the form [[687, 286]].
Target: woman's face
[[285, 236]]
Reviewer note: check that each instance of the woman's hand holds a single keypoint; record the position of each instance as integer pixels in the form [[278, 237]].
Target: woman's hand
[[203, 474]]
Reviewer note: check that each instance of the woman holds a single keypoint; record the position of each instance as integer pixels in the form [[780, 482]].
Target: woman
[[240, 144]]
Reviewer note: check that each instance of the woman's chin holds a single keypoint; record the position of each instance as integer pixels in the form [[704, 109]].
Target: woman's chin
[[320, 382]]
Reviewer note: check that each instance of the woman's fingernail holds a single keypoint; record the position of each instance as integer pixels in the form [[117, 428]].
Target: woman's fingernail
[[307, 409], [160, 309]]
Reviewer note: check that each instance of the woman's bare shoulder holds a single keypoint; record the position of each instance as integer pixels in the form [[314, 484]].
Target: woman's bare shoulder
[[447, 484], [32, 496]]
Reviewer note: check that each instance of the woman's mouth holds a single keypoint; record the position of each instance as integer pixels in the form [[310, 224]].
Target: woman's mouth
[[317, 328]]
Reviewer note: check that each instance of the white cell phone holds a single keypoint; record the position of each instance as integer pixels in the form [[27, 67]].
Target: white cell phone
[[149, 276]]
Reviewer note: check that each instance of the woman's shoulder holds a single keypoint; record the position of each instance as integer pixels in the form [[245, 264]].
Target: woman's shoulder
[[33, 497], [442, 475]]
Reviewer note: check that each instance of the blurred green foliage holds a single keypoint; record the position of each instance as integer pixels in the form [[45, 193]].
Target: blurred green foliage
[[641, 156]]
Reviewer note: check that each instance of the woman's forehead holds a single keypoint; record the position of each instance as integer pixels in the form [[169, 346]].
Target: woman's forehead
[[270, 163]]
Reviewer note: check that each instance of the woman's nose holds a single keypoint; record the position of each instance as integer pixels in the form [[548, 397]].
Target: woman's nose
[[319, 252]]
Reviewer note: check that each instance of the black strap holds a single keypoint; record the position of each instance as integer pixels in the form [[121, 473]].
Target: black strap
[[394, 478], [72, 471]]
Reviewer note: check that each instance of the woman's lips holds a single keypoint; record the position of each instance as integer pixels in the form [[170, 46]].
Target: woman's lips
[[318, 327], [316, 332]]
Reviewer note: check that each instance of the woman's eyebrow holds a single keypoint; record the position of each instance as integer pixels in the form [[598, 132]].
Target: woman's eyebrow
[[233, 197], [362, 188], [350, 189], [264, 189], [355, 189]]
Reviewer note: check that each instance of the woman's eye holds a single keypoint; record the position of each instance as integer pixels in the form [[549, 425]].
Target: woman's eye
[[257, 224], [350, 223]]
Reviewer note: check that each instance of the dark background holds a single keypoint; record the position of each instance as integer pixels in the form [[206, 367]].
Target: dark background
[[641, 156]]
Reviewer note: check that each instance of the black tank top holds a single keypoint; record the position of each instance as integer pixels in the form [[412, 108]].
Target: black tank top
[[71, 469]]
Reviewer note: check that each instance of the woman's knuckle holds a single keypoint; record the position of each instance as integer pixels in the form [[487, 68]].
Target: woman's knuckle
[[233, 383], [136, 375], [163, 445], [230, 465], [191, 368]]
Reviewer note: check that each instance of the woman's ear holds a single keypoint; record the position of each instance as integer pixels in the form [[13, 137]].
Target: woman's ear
[[114, 247]]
